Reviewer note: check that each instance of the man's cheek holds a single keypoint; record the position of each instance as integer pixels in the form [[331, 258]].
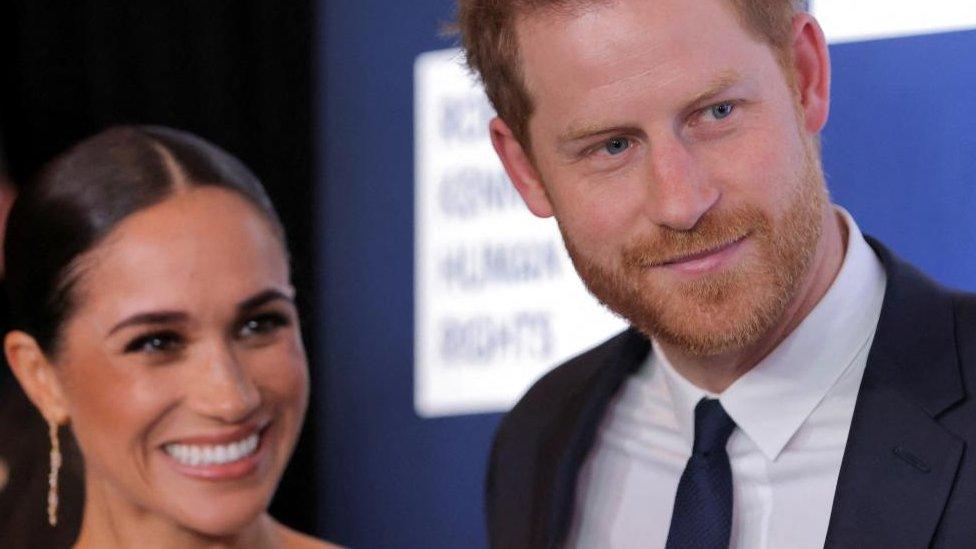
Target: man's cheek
[[597, 236]]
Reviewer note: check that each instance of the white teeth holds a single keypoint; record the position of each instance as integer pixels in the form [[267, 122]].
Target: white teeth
[[195, 456]]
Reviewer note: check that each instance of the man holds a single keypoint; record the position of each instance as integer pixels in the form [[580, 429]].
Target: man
[[786, 382]]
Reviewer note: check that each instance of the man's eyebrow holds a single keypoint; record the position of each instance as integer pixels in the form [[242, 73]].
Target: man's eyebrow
[[718, 85], [715, 87], [261, 298], [154, 317], [578, 133]]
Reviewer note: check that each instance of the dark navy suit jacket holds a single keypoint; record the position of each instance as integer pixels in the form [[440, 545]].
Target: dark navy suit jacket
[[908, 476]]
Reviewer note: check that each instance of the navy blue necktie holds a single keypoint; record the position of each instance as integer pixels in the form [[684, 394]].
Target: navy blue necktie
[[702, 516]]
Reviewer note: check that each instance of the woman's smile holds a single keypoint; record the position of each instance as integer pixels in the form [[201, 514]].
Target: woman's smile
[[219, 457]]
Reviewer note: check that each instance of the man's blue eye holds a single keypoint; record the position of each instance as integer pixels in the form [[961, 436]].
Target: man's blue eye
[[722, 111], [617, 145]]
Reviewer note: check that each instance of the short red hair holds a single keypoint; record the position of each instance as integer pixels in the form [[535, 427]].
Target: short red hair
[[487, 29]]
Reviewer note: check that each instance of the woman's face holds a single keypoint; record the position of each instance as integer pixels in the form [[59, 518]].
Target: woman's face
[[182, 369]]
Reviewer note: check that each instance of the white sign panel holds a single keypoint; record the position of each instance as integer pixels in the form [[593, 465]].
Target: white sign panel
[[497, 301], [853, 20]]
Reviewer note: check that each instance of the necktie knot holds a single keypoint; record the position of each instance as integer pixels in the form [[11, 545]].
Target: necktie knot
[[713, 427]]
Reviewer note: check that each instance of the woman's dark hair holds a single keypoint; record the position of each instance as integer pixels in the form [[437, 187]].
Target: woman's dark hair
[[83, 194]]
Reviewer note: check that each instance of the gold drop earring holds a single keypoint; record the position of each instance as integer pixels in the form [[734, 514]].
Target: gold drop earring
[[52, 478]]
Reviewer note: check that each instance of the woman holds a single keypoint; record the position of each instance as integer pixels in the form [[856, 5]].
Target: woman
[[152, 313]]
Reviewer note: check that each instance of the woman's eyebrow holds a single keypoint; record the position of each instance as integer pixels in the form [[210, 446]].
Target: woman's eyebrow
[[261, 298], [154, 317], [167, 317]]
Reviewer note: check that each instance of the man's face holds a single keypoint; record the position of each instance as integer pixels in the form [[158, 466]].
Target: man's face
[[671, 150]]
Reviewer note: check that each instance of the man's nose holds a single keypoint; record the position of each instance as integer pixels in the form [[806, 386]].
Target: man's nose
[[680, 191], [223, 390]]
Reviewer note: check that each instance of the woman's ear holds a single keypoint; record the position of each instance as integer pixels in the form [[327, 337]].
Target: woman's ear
[[36, 375]]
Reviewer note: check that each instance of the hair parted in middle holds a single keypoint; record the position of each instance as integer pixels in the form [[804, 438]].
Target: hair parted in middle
[[487, 29], [84, 193]]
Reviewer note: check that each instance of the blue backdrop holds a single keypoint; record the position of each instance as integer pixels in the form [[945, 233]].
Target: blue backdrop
[[899, 154], [389, 479], [900, 147]]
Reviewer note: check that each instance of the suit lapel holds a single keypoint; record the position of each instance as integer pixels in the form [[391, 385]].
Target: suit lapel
[[897, 472], [900, 463], [618, 365]]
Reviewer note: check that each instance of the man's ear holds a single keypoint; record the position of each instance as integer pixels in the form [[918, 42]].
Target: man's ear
[[519, 167], [36, 375], [811, 65]]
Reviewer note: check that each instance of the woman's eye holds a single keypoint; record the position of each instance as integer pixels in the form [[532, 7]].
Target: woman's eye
[[160, 342], [616, 145], [722, 110], [262, 324]]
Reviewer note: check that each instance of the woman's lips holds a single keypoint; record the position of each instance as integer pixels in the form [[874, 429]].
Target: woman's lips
[[197, 454], [218, 457]]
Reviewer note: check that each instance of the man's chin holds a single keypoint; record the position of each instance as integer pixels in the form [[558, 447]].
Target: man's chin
[[704, 339], [719, 319]]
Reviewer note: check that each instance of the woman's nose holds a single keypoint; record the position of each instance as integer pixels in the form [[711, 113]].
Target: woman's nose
[[223, 389]]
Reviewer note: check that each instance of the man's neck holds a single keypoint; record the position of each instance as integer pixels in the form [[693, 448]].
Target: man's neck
[[715, 373]]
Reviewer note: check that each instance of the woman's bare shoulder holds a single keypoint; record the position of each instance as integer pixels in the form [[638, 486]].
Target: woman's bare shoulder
[[292, 539]]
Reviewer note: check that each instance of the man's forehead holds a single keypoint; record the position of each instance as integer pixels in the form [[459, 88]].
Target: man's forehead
[[630, 45], [601, 35]]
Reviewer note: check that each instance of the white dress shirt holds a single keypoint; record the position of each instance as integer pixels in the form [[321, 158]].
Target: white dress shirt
[[792, 411]]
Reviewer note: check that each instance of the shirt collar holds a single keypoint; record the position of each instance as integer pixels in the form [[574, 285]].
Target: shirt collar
[[798, 373]]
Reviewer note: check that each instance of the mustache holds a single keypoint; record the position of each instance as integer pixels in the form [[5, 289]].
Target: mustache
[[713, 231]]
